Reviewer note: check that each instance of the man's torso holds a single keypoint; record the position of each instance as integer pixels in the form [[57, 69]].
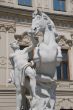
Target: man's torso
[[20, 59]]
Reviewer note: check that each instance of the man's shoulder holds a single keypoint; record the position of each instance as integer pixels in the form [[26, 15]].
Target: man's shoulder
[[24, 50]]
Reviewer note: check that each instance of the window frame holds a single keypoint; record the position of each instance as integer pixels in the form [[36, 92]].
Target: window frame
[[59, 8], [24, 4]]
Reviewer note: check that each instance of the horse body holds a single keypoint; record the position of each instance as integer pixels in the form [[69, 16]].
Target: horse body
[[47, 59], [47, 48], [46, 53]]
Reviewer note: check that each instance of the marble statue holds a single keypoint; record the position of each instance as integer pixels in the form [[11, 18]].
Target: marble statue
[[22, 68], [47, 55]]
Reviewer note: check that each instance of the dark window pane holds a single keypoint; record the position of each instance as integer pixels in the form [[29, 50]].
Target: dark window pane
[[27, 2], [62, 70], [64, 55], [62, 5], [20, 2], [56, 5], [65, 76], [59, 72]]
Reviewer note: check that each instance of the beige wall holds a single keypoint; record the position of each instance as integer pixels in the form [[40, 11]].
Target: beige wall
[[6, 36]]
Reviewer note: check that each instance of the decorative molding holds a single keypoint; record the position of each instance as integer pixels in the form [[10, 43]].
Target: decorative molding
[[10, 28], [2, 28], [3, 60], [65, 103], [65, 86], [64, 42]]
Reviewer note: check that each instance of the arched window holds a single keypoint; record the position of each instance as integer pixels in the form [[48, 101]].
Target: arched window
[[25, 2], [59, 5]]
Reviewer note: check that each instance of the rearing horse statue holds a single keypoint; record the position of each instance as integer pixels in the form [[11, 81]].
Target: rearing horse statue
[[45, 55], [45, 58]]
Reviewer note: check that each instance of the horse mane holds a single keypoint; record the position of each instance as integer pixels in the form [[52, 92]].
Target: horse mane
[[49, 21], [45, 16]]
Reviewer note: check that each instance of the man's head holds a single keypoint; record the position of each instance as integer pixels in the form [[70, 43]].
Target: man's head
[[15, 45]]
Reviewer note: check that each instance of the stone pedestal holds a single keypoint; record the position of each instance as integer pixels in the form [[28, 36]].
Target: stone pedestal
[[46, 94]]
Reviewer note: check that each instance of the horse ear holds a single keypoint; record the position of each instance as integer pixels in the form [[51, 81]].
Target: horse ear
[[39, 12]]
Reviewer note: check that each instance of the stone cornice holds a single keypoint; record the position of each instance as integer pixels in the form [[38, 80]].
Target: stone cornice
[[28, 13], [64, 86], [7, 92], [61, 17], [16, 11]]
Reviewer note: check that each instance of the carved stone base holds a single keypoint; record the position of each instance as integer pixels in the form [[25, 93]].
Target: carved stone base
[[46, 96]]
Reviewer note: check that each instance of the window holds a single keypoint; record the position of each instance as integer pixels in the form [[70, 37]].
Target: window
[[59, 5], [25, 2], [62, 70]]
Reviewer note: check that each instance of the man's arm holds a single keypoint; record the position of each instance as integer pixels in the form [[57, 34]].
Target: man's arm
[[28, 49]]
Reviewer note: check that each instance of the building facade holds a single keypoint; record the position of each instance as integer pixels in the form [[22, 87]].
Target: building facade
[[15, 16]]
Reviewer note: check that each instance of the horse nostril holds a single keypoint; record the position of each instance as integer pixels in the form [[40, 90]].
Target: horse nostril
[[35, 28]]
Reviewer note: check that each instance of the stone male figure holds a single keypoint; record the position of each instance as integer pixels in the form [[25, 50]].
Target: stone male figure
[[22, 68]]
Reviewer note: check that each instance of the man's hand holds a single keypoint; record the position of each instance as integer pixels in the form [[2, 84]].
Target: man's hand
[[32, 63]]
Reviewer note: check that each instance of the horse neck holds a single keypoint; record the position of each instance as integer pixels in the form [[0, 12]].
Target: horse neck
[[49, 36]]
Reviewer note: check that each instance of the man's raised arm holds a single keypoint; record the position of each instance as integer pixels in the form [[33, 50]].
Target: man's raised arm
[[28, 49]]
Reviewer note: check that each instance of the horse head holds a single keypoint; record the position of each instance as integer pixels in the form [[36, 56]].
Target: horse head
[[41, 21]]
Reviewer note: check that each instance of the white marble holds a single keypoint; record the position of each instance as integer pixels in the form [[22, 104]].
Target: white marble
[[45, 56], [22, 68], [42, 78]]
